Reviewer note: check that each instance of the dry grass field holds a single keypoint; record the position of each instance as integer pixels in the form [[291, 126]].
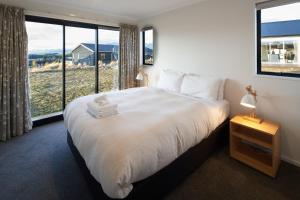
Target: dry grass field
[[46, 85], [292, 68]]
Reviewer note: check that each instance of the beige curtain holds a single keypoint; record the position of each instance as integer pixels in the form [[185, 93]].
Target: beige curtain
[[15, 116], [129, 56]]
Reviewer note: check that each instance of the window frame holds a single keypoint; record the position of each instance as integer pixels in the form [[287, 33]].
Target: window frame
[[258, 52], [30, 18], [144, 44]]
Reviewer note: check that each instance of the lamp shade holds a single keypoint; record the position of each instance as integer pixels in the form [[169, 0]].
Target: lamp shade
[[248, 101], [140, 76]]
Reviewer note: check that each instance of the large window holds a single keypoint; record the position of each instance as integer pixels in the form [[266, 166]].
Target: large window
[[62, 62], [278, 39]]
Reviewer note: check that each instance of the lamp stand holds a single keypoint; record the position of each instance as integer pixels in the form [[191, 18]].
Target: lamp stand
[[253, 117], [146, 81]]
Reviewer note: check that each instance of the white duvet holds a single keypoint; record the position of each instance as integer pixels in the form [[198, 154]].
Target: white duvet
[[152, 129]]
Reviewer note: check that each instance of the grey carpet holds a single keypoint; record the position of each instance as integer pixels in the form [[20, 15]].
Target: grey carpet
[[39, 166]]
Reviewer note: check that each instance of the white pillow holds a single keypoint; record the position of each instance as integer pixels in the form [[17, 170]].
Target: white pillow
[[200, 86], [170, 80]]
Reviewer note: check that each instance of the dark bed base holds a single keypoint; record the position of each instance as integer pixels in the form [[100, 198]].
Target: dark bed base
[[162, 182]]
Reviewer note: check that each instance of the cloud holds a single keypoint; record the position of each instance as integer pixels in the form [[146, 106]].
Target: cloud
[[149, 37], [43, 36], [281, 13], [108, 36]]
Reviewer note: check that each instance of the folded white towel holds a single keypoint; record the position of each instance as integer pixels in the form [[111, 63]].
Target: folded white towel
[[101, 115], [103, 103], [101, 109], [101, 99]]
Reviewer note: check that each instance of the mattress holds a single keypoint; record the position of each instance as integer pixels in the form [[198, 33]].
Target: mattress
[[152, 129]]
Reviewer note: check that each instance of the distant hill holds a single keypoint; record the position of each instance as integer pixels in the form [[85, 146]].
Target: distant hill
[[112, 43], [59, 51], [68, 51], [48, 51], [148, 45]]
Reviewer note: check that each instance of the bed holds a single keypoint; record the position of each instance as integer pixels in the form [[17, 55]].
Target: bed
[[157, 138]]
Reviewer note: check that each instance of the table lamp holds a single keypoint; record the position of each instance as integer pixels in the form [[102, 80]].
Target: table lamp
[[141, 76], [249, 100]]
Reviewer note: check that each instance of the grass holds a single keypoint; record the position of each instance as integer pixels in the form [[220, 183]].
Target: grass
[[46, 87], [284, 68]]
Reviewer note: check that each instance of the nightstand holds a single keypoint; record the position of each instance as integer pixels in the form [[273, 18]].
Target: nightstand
[[255, 144]]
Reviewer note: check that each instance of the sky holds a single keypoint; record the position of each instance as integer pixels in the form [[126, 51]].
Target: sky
[[48, 36], [149, 37], [281, 13]]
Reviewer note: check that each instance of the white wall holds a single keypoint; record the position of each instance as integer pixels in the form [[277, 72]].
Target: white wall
[[217, 37]]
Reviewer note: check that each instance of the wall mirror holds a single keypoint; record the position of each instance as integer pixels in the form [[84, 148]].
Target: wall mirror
[[147, 34]]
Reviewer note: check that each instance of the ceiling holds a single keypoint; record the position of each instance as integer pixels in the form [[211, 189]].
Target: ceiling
[[124, 10]]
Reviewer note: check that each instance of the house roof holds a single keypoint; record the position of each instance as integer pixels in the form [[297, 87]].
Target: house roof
[[105, 47], [283, 28], [101, 47]]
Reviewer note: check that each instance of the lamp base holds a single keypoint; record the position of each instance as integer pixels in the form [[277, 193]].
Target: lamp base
[[253, 119]]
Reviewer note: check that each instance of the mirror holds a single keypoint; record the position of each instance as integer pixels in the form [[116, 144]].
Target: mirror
[[148, 46]]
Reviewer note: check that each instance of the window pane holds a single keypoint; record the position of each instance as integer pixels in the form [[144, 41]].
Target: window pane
[[108, 60], [148, 48], [80, 62], [45, 68], [280, 39]]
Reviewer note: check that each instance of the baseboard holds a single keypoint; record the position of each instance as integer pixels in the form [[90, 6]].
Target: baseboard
[[291, 161]]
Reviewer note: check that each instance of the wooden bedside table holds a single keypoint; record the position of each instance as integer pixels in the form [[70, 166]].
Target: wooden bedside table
[[257, 145]]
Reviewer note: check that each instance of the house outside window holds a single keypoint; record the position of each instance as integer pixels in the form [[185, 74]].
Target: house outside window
[[102, 56]]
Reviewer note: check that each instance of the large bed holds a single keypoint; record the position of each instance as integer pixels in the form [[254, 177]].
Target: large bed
[[157, 138]]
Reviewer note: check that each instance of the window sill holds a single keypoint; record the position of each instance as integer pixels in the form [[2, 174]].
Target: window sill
[[46, 119]]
